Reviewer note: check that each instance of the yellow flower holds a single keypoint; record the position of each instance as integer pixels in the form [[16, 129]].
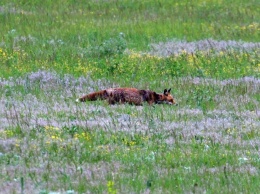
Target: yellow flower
[[51, 128], [54, 137], [110, 183], [111, 187]]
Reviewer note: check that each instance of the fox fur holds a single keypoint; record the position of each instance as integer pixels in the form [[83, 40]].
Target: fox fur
[[130, 95]]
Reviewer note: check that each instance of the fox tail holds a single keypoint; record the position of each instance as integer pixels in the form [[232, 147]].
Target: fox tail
[[100, 95]]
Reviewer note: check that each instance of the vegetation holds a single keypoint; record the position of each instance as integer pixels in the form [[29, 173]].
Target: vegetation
[[51, 52]]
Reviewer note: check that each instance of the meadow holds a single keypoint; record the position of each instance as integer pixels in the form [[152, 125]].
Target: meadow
[[52, 52]]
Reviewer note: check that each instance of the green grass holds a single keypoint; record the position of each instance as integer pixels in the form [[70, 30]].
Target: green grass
[[69, 36], [51, 52]]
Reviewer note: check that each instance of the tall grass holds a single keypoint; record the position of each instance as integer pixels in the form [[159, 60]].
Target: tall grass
[[207, 144], [51, 52]]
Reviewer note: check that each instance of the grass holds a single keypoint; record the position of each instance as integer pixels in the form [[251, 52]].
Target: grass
[[53, 52], [72, 37], [210, 139]]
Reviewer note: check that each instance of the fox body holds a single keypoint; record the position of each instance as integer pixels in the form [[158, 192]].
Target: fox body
[[130, 95]]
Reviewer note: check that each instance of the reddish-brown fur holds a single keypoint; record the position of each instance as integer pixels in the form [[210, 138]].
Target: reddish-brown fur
[[130, 95]]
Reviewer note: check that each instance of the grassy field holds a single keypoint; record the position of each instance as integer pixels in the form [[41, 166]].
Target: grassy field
[[52, 52]]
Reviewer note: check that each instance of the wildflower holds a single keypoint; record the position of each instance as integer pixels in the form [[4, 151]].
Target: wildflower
[[243, 160], [111, 187], [54, 137]]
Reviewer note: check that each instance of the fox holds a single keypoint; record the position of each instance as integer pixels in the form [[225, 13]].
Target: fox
[[131, 96]]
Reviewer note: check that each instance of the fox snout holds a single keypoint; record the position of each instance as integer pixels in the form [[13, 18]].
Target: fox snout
[[171, 103], [174, 104]]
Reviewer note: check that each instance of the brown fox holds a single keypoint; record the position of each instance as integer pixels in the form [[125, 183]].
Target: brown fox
[[131, 96]]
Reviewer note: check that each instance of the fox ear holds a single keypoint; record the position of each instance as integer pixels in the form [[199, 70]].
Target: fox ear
[[169, 91], [165, 91]]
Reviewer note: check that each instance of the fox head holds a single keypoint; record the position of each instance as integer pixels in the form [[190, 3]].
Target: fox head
[[166, 98]]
